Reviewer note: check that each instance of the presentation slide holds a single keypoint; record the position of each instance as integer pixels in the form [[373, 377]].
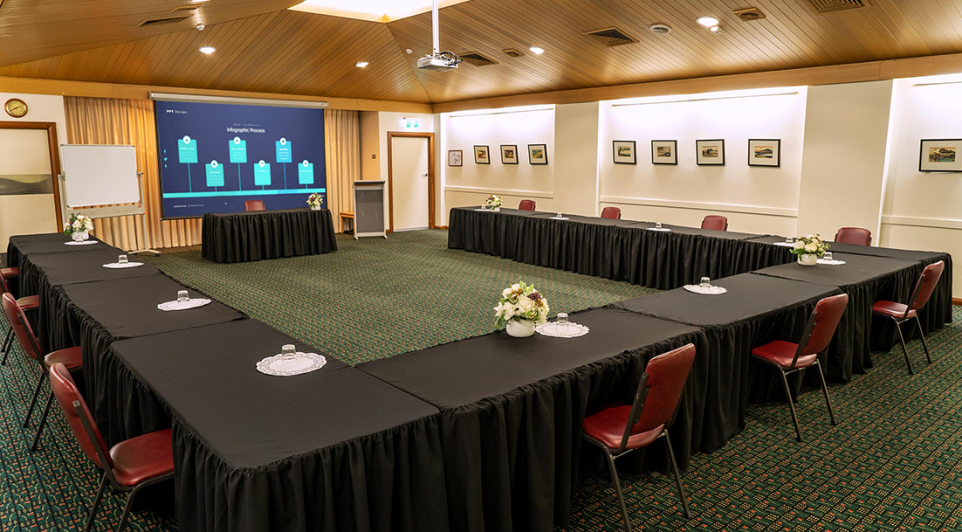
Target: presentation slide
[[214, 157]]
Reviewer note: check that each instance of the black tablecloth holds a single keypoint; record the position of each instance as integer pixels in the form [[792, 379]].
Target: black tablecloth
[[512, 411], [20, 246], [250, 236], [98, 313], [330, 450], [865, 279]]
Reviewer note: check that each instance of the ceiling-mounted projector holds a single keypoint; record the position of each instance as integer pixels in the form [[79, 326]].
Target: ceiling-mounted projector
[[438, 60]]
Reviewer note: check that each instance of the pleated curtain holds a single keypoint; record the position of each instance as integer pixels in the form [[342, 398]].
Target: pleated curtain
[[343, 139]]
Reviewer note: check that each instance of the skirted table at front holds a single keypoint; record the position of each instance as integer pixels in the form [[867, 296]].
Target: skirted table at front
[[262, 235]]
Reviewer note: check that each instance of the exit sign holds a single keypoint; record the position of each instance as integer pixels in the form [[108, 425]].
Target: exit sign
[[412, 123]]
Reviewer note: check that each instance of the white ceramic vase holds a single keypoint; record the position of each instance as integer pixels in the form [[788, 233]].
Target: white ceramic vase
[[315, 207], [520, 328], [808, 259], [497, 209], [80, 236]]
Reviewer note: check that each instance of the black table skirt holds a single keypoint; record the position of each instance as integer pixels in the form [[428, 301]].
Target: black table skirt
[[252, 236]]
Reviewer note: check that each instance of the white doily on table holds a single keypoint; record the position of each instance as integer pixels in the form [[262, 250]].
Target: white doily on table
[[81, 243], [120, 265], [185, 305], [562, 330], [785, 244], [660, 229], [560, 218], [831, 262], [710, 291], [299, 364]]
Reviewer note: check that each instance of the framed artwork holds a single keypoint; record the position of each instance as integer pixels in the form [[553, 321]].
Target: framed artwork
[[664, 152], [455, 158], [765, 152], [538, 153], [509, 154], [624, 152], [940, 155], [710, 152], [481, 155]]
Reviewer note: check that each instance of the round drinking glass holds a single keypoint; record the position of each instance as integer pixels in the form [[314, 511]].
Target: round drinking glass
[[827, 256], [789, 240], [658, 225], [122, 259], [288, 351], [183, 296], [705, 282]]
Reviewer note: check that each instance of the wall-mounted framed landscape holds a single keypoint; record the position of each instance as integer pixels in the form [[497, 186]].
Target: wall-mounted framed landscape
[[710, 152], [509, 154], [765, 152], [482, 155], [664, 152], [940, 155], [455, 158], [624, 152], [537, 154]]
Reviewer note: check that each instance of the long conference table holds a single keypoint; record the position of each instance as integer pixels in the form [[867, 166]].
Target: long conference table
[[483, 434]]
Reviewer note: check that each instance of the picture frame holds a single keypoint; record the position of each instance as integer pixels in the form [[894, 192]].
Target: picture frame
[[624, 152], [765, 152], [482, 155], [538, 154], [664, 152], [455, 158], [710, 152], [940, 155], [509, 154]]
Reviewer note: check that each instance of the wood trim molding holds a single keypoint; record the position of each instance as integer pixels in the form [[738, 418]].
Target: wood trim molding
[[54, 153], [912, 221], [500, 192], [957, 301], [703, 206], [432, 201]]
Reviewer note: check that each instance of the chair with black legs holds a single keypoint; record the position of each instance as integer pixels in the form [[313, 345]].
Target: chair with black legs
[[611, 213], [788, 358], [254, 206], [70, 358], [28, 304], [901, 313], [713, 221], [129, 466], [620, 429], [854, 235], [526, 205]]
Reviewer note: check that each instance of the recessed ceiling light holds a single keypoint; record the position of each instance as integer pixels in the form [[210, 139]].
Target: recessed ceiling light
[[207, 50], [198, 1], [200, 27], [707, 21], [537, 50], [361, 64]]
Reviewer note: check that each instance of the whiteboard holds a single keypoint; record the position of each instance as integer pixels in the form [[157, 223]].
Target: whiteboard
[[99, 175]]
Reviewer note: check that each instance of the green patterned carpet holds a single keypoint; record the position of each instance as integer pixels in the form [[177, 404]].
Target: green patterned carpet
[[893, 462]]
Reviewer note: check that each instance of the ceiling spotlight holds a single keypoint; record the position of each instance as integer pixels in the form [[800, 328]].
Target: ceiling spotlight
[[200, 27], [409, 51], [707, 21], [207, 50], [361, 64], [537, 50], [198, 1], [715, 29]]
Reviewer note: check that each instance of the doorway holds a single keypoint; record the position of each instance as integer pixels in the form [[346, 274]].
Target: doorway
[[29, 192], [411, 181]]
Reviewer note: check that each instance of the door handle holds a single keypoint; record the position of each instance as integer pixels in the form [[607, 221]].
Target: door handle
[[425, 175]]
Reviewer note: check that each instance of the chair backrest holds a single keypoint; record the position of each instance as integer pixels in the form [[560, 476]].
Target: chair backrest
[[21, 327], [612, 213], [854, 235], [821, 326], [656, 400], [712, 221], [4, 287], [78, 416], [526, 205], [254, 205], [926, 285]]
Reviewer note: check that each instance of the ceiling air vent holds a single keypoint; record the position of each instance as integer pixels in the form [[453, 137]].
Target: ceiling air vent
[[179, 9], [749, 14], [660, 29], [161, 21], [831, 6], [477, 59], [611, 36], [510, 52]]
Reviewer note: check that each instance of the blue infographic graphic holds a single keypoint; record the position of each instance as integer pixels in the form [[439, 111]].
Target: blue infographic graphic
[[214, 157]]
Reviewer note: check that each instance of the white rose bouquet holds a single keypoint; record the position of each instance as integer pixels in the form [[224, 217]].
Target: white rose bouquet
[[494, 202], [810, 245], [315, 200], [521, 301], [78, 224]]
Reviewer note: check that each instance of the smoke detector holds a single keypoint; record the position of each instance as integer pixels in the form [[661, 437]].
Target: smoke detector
[[660, 29]]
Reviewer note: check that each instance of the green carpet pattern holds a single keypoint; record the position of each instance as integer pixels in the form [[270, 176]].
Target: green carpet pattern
[[894, 462]]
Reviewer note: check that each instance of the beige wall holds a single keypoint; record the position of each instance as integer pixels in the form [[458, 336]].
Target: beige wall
[[370, 146]]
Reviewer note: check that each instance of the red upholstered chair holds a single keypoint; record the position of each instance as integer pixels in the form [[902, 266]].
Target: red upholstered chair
[[526, 205], [254, 205], [854, 235], [129, 466], [612, 213], [26, 303], [718, 223], [31, 346], [789, 358], [619, 428], [900, 313]]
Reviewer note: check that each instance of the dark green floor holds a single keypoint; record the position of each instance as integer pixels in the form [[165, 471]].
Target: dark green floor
[[893, 462]]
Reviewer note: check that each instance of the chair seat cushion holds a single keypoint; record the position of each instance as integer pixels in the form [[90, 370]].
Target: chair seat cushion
[[892, 309], [143, 458], [68, 357], [29, 302], [9, 273], [781, 354], [608, 427]]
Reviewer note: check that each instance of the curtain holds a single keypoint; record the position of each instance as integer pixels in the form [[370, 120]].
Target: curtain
[[120, 121], [343, 144]]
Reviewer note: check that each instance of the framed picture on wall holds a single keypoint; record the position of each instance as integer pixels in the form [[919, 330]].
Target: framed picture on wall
[[664, 152], [481, 155], [624, 152], [710, 152], [765, 152], [509, 154], [455, 158], [940, 155], [538, 153]]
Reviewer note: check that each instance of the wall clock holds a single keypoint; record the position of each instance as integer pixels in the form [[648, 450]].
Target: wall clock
[[16, 107]]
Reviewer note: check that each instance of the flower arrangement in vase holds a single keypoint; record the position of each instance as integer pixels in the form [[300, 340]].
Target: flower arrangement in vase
[[78, 227], [494, 203], [809, 249], [520, 309], [316, 201]]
